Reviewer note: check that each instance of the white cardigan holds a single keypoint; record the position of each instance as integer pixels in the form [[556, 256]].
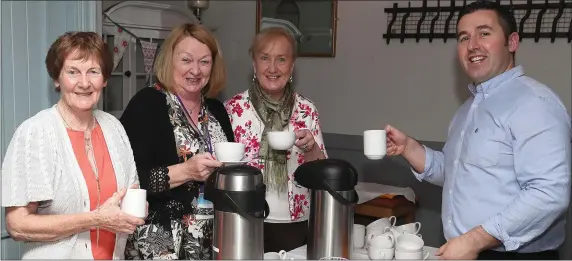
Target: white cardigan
[[40, 166]]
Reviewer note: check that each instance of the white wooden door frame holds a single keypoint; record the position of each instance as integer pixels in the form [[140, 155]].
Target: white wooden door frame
[[3, 232]]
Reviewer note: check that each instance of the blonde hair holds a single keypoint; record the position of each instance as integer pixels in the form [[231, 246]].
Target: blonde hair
[[164, 63], [269, 35]]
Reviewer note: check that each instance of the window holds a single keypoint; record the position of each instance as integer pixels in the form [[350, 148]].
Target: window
[[128, 78]]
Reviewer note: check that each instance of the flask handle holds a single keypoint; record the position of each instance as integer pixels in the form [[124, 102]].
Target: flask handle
[[236, 208], [354, 198]]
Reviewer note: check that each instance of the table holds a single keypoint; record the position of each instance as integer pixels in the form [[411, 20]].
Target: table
[[359, 254], [381, 207]]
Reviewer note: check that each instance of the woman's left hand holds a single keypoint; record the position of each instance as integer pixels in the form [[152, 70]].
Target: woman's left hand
[[305, 140]]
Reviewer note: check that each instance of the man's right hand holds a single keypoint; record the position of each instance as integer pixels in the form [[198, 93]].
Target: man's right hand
[[396, 141]]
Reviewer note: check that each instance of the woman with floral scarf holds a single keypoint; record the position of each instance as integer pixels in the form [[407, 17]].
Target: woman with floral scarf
[[270, 104]]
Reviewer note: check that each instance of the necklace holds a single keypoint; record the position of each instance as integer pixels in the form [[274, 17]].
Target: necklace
[[190, 111], [205, 131], [90, 156]]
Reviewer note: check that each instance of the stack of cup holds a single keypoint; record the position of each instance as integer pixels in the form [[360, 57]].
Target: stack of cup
[[381, 247], [411, 228], [385, 241]]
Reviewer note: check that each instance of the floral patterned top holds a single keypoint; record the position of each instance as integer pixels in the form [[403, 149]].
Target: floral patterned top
[[248, 129]]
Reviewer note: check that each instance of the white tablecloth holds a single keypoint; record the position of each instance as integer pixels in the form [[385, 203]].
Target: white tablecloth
[[368, 191], [359, 254]]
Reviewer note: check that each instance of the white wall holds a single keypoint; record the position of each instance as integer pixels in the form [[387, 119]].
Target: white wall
[[414, 86]]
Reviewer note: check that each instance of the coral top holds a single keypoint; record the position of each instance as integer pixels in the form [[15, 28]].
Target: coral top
[[107, 184]]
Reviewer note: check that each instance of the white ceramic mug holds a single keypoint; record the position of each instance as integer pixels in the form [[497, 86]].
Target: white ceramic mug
[[229, 151], [409, 243], [379, 226], [359, 236], [374, 144], [282, 255], [380, 253], [281, 140], [386, 240], [382, 223], [135, 202], [418, 255], [410, 228]]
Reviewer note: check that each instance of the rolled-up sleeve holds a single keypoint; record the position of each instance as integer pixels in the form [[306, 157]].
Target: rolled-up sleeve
[[434, 171], [541, 137]]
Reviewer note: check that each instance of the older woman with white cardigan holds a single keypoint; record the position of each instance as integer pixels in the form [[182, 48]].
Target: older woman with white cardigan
[[68, 167]]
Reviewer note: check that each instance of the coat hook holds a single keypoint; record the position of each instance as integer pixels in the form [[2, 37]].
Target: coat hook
[[524, 18], [539, 21], [403, 22], [555, 23], [393, 18], [432, 29], [423, 13], [446, 32]]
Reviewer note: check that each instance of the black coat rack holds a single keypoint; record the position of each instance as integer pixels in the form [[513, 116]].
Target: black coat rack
[[535, 20]]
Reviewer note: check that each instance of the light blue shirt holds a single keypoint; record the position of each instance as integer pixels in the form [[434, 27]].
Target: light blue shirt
[[506, 164]]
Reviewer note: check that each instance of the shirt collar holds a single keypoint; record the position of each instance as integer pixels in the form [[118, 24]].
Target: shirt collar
[[496, 81]]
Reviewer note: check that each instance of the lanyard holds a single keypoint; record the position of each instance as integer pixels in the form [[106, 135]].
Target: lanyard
[[205, 130]]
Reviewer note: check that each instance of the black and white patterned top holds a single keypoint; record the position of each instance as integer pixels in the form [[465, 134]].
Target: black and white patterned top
[[177, 227]]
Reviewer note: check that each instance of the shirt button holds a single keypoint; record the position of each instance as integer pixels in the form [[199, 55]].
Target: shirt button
[[450, 191], [462, 133], [450, 221]]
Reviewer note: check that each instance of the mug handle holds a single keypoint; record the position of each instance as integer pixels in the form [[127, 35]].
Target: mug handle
[[282, 254], [394, 220], [392, 239], [418, 225], [369, 237], [426, 254]]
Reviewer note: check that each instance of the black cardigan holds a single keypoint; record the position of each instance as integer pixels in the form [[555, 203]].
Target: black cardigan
[[146, 122]]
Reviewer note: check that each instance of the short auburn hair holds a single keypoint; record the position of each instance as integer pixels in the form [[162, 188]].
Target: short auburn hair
[[88, 45], [164, 62], [269, 35]]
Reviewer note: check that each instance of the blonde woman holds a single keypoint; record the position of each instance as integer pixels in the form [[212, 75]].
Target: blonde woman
[[173, 127]]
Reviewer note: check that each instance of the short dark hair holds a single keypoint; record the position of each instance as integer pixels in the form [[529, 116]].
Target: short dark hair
[[89, 45], [505, 15]]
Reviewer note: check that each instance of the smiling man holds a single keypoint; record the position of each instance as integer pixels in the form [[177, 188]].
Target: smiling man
[[505, 168]]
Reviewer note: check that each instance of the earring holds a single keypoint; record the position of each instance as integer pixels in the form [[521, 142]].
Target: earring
[[254, 77], [290, 78]]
